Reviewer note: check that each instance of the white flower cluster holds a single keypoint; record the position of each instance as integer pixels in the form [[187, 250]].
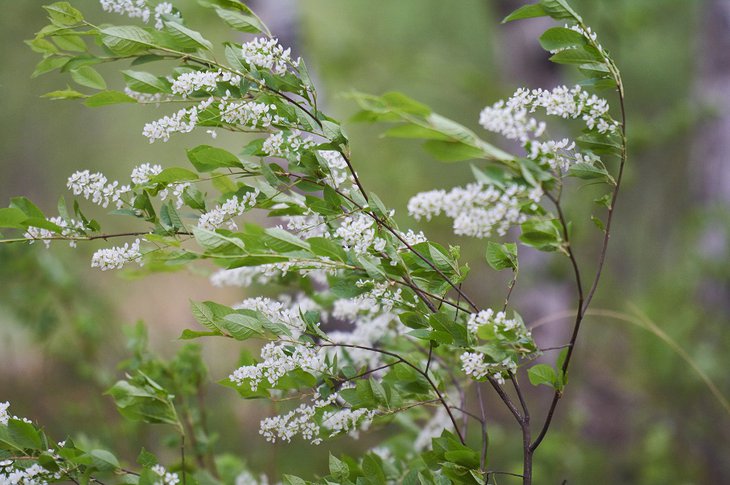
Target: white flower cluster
[[302, 421], [413, 238], [69, 229], [285, 311], [513, 119], [4, 415], [189, 82], [358, 234], [372, 319], [474, 365], [94, 187], [278, 360], [232, 207], [299, 421], [146, 98], [498, 320], [478, 210], [308, 225], [177, 192], [265, 273], [137, 9], [13, 474], [264, 53], [143, 173], [130, 8], [116, 257], [249, 113], [338, 169], [165, 477], [346, 420], [290, 147], [164, 8], [184, 121]]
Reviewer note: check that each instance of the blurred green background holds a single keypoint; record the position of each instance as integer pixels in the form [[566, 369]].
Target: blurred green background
[[635, 413]]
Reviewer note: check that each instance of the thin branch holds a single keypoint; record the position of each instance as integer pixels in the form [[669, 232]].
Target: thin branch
[[414, 367]]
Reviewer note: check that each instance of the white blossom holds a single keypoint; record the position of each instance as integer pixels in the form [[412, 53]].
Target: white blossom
[[69, 229], [189, 82], [285, 311], [278, 360], [183, 121], [163, 8], [143, 173], [116, 257], [346, 420], [291, 146], [130, 8], [4, 416], [264, 53], [338, 169], [232, 207], [307, 225], [165, 477], [146, 98], [358, 234], [477, 210], [249, 113], [474, 365], [96, 188], [177, 193]]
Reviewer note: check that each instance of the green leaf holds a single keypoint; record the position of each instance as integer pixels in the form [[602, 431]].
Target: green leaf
[[215, 242], [174, 174], [578, 55], [587, 171], [558, 38], [104, 460], [106, 98], [542, 374], [206, 158], [89, 77], [21, 435], [241, 22], [28, 207], [62, 13], [144, 82], [447, 151], [502, 256], [49, 64], [185, 37], [126, 40], [338, 468], [241, 326], [188, 334], [542, 235], [12, 217], [63, 94], [526, 12], [70, 43]]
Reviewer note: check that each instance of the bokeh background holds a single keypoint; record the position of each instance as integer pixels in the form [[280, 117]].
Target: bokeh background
[[636, 412]]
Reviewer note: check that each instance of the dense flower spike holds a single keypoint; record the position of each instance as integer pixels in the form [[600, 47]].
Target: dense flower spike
[[278, 360], [225, 212], [513, 119], [267, 54], [478, 210], [116, 257]]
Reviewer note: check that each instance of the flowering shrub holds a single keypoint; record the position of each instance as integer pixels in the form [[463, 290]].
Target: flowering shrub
[[374, 321]]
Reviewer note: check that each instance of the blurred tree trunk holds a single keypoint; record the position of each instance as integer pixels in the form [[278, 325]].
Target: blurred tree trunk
[[709, 172]]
